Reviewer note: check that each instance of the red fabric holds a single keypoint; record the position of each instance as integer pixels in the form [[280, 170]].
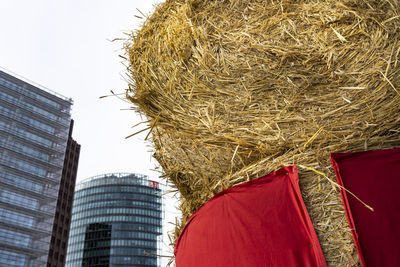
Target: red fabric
[[374, 177], [259, 223]]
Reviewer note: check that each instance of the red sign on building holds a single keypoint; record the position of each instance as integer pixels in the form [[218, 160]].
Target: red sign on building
[[153, 184]]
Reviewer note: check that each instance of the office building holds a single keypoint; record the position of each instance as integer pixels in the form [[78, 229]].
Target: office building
[[62, 218], [34, 127], [116, 221]]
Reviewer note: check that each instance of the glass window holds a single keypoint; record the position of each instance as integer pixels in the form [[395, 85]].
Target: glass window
[[18, 199], [8, 98], [29, 93], [21, 182], [26, 166], [37, 124], [40, 111], [8, 258], [13, 217], [33, 137], [27, 120], [23, 148], [15, 238]]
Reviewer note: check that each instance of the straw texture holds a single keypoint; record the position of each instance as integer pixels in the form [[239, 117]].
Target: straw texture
[[236, 89]]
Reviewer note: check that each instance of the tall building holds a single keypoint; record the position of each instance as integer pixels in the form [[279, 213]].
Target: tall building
[[62, 219], [116, 221], [34, 127]]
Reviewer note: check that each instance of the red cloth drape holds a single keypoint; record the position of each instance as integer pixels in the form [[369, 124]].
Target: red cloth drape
[[374, 177], [263, 222]]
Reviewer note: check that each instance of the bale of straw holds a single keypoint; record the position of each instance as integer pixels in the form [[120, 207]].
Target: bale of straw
[[235, 89]]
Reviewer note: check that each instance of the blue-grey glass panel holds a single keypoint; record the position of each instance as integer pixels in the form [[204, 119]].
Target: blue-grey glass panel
[[18, 199], [17, 218], [8, 258], [14, 238], [21, 182], [35, 96]]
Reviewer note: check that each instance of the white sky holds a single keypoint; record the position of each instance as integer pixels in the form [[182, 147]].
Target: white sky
[[65, 46]]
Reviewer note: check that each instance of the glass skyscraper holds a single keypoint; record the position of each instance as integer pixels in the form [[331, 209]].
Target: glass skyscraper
[[116, 221], [34, 126]]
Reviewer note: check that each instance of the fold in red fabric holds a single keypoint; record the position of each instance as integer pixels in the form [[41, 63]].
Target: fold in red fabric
[[374, 177], [263, 222]]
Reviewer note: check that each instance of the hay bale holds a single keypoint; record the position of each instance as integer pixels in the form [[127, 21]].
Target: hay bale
[[236, 89]]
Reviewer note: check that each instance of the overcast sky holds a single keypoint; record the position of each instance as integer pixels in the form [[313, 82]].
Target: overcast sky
[[65, 45]]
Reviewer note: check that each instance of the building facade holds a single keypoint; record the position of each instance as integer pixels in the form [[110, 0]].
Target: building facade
[[34, 126], [62, 218], [116, 221]]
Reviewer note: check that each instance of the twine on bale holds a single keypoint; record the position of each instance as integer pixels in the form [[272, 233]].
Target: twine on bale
[[235, 89]]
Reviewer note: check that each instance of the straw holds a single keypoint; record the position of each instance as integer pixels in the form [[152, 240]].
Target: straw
[[236, 89]]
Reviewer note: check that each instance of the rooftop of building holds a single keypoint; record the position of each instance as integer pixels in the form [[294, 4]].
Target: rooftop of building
[[39, 86], [118, 179]]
